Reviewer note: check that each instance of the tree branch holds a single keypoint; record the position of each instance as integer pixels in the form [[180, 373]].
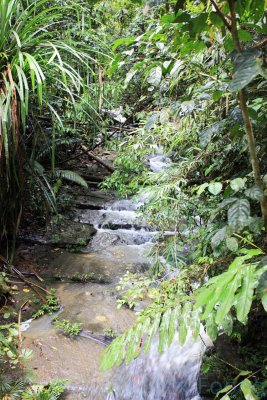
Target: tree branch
[[221, 15]]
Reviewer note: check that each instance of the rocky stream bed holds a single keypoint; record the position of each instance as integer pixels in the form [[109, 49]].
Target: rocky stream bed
[[83, 258]]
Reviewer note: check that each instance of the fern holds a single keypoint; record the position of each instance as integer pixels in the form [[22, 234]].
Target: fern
[[233, 288], [156, 318], [37, 171], [71, 176], [212, 304]]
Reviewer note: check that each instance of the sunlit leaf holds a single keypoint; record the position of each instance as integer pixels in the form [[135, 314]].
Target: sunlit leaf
[[248, 390]]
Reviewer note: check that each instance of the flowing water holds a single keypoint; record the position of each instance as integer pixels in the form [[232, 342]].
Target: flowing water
[[121, 243]]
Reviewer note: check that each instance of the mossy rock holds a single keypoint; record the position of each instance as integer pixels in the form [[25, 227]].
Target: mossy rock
[[69, 234]]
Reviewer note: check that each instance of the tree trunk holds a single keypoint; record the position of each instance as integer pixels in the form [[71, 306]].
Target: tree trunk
[[247, 123]]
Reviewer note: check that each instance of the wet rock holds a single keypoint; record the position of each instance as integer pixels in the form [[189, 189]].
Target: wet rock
[[69, 233], [93, 267]]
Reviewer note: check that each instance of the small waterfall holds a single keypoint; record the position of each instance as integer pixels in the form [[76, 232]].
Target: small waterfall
[[171, 375], [86, 284]]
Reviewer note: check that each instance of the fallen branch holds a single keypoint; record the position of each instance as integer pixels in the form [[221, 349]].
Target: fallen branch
[[97, 159], [32, 285]]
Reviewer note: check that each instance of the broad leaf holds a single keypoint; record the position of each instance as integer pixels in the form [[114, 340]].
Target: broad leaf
[[246, 67], [201, 188], [178, 65], [211, 326], [239, 213], [245, 297], [217, 291], [195, 323], [248, 390], [215, 188], [237, 184], [155, 76], [153, 329], [227, 296], [187, 107], [129, 76], [262, 289], [224, 390], [207, 134], [254, 193], [152, 121], [232, 244], [218, 238]]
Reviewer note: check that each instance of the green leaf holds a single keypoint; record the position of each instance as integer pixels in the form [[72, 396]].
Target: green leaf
[[152, 121], [195, 323], [152, 331], [245, 296], [178, 65], [215, 188], [262, 289], [242, 373], [232, 244], [201, 188], [168, 18], [163, 331], [211, 326], [254, 193], [133, 340], [187, 107], [216, 19], [224, 390], [71, 176], [227, 297], [246, 67], [245, 36], [173, 323], [216, 296], [207, 134], [129, 76], [248, 390], [218, 238], [239, 213], [264, 301], [164, 116], [123, 41], [217, 95], [184, 323], [155, 76], [237, 184]]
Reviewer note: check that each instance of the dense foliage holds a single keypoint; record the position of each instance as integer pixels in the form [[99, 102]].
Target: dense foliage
[[190, 76], [47, 74], [200, 72]]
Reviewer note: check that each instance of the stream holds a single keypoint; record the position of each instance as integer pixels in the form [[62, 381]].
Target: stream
[[121, 243]]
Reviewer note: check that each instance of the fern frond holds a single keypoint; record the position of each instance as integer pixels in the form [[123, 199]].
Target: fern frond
[[210, 304], [71, 176]]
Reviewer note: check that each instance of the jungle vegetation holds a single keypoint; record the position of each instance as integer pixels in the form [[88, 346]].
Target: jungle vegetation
[[191, 76]]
